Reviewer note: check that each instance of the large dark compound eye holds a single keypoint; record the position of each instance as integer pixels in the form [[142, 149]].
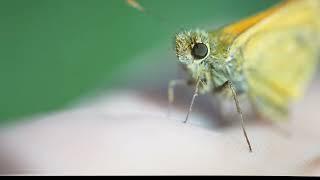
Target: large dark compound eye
[[199, 51]]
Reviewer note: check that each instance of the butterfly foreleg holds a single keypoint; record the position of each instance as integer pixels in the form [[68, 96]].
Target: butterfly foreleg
[[229, 86], [171, 87]]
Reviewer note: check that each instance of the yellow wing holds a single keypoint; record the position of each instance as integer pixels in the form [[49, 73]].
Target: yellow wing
[[279, 50]]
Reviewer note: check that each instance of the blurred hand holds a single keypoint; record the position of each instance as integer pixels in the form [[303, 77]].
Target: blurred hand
[[124, 133]]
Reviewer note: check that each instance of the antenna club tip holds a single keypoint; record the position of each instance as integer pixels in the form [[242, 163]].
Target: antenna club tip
[[135, 5]]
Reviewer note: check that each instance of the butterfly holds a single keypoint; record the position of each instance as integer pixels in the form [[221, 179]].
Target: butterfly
[[269, 58]]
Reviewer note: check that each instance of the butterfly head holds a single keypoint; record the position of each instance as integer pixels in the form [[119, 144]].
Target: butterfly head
[[192, 47]]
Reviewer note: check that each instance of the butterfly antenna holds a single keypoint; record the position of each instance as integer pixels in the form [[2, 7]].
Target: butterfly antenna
[[135, 5], [139, 7]]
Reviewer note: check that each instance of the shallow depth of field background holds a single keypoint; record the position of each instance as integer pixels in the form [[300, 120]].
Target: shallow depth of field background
[[83, 90], [55, 53]]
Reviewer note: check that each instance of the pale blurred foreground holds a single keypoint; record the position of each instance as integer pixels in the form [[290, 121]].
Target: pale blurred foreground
[[125, 133]]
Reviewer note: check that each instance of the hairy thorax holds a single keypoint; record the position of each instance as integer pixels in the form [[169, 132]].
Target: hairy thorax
[[215, 73]]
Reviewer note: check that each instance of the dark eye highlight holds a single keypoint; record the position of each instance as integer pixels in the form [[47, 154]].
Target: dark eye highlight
[[199, 51]]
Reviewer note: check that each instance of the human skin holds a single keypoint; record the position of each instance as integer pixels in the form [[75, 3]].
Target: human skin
[[125, 133]]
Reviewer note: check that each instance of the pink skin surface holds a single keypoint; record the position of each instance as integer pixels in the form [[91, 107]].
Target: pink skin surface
[[124, 133]]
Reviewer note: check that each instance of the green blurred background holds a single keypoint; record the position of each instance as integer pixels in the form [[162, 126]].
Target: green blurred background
[[55, 52]]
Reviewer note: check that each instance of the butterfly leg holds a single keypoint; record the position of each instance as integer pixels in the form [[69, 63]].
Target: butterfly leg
[[172, 85], [195, 94], [229, 85]]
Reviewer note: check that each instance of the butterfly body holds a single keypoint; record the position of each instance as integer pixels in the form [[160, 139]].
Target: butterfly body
[[269, 57]]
